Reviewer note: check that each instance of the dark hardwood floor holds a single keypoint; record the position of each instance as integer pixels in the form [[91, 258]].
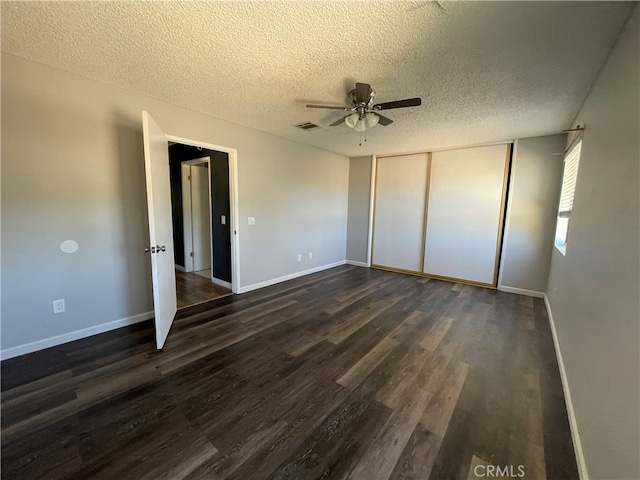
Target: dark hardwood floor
[[347, 373], [192, 289]]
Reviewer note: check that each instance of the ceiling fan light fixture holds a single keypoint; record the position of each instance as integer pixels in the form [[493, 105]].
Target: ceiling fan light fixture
[[352, 120], [360, 126], [372, 119]]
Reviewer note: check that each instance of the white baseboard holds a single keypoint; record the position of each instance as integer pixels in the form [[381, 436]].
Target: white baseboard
[[291, 276], [577, 444], [71, 336], [521, 291], [357, 264], [221, 283], [180, 268]]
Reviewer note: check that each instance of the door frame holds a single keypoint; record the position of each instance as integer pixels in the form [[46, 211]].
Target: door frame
[[233, 200], [189, 207]]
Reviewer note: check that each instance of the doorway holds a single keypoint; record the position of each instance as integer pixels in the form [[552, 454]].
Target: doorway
[[196, 216], [163, 193], [201, 210]]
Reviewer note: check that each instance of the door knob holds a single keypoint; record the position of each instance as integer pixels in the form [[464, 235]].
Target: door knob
[[161, 248], [152, 250]]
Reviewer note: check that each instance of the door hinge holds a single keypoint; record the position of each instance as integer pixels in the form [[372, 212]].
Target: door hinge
[[189, 178], [191, 254]]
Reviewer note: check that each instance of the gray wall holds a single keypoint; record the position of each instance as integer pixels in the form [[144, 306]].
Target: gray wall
[[72, 168], [359, 200], [534, 190], [594, 290]]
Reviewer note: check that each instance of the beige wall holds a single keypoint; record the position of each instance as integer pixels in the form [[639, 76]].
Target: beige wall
[[534, 190], [72, 168], [594, 290], [359, 200]]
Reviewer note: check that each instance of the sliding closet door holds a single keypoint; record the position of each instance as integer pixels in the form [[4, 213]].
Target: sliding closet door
[[398, 225], [464, 221]]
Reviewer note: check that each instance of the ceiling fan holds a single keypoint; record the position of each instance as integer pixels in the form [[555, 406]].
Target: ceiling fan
[[363, 112]]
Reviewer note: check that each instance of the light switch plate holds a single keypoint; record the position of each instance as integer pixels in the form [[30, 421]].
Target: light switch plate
[[251, 221], [223, 219]]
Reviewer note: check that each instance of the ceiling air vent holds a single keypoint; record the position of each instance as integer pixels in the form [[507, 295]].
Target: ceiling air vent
[[306, 126]]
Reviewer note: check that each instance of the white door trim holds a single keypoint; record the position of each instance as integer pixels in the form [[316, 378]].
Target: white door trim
[[233, 198], [372, 199], [187, 229]]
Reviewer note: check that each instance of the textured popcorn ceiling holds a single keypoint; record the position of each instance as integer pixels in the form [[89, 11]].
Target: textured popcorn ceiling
[[486, 71]]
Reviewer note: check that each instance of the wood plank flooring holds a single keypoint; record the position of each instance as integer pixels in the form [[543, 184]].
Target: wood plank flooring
[[192, 288], [347, 373]]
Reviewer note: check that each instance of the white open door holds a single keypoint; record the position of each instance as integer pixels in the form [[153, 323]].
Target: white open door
[[156, 165]]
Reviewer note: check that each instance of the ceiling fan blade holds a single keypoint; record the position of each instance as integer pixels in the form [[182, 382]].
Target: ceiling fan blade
[[338, 122], [384, 121], [408, 102], [332, 107], [363, 92]]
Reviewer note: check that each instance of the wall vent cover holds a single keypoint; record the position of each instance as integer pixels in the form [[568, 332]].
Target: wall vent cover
[[307, 126]]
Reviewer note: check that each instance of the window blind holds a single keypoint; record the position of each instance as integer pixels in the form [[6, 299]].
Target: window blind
[[569, 181]]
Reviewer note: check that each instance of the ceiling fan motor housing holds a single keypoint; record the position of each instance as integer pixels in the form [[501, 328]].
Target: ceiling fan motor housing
[[353, 98]]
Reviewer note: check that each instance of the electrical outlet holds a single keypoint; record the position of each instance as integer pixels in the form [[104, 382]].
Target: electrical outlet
[[299, 257], [58, 306], [310, 255]]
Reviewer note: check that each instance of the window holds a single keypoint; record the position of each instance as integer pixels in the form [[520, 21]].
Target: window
[[571, 161]]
